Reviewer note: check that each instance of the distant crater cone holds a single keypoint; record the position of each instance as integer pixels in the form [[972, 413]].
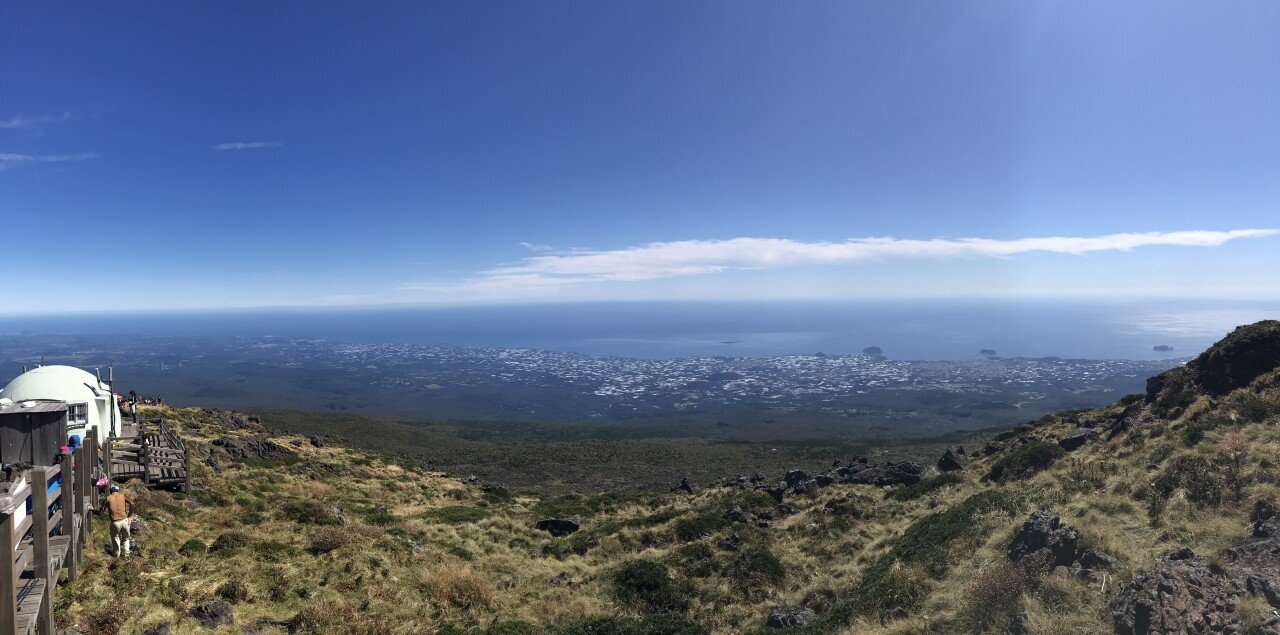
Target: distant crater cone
[[873, 350], [1233, 362]]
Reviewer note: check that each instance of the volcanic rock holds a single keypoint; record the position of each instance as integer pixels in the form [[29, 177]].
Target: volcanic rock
[[953, 459], [212, 614], [560, 526], [790, 617], [1077, 438]]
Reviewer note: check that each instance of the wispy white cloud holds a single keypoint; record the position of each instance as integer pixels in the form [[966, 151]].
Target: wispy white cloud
[[11, 160], [27, 122], [539, 247], [248, 145], [697, 257]]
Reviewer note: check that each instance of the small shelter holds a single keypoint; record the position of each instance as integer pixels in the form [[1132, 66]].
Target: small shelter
[[32, 431], [89, 400]]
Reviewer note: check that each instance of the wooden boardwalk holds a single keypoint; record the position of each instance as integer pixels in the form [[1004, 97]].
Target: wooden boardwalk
[[45, 522], [152, 452]]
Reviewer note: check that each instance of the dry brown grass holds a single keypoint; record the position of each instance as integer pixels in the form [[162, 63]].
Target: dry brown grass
[[457, 586]]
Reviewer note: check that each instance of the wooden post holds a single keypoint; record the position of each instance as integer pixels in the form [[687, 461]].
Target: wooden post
[[83, 473], [106, 463], [40, 545], [70, 514], [8, 578], [144, 458], [91, 445], [66, 479]]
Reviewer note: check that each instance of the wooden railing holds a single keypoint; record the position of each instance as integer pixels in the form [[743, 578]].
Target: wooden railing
[[45, 524], [157, 455]]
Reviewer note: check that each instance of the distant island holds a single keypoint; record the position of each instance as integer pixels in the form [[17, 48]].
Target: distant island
[[873, 350], [1163, 348], [987, 351]]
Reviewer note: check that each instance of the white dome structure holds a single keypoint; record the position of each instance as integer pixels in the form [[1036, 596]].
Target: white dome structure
[[90, 401]]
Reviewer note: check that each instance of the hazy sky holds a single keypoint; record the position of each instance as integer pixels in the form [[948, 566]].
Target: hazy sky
[[228, 154]]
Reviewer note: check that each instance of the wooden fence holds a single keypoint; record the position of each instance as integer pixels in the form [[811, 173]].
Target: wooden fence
[[45, 523], [154, 453]]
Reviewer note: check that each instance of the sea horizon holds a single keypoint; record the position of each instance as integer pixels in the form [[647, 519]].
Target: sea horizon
[[914, 329]]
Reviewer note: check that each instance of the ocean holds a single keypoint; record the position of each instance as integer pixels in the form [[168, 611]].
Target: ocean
[[921, 330]]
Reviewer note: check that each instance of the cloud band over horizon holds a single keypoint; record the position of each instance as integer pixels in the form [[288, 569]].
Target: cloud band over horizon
[[696, 257]]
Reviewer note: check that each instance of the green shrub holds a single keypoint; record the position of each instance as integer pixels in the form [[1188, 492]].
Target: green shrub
[[648, 625], [755, 567], [327, 539], [456, 514], [648, 586], [1252, 407], [889, 590], [193, 547], [993, 597], [1206, 482], [1025, 461], [233, 591], [695, 559], [230, 540], [309, 511], [273, 550], [912, 492], [703, 524], [896, 584]]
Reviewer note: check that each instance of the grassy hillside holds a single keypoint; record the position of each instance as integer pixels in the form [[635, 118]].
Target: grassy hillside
[[298, 538]]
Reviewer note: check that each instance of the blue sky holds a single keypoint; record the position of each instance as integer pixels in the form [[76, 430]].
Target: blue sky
[[311, 153]]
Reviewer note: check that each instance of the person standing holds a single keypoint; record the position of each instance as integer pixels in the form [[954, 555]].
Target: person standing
[[121, 509]]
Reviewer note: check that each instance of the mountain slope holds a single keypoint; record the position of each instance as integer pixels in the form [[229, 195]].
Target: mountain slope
[[1155, 514]]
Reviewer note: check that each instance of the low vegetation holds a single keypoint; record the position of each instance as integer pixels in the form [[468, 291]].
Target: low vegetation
[[344, 540]]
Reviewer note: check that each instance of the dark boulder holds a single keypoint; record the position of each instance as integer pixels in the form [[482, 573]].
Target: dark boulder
[[790, 617], [686, 486], [317, 442], [794, 477], [776, 492], [852, 506], [257, 448], [787, 510], [1043, 541], [1077, 438], [732, 542], [163, 628], [560, 526], [890, 473], [953, 459], [1182, 595], [212, 614], [735, 514]]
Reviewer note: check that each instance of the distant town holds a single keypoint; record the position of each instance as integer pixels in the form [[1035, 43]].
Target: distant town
[[445, 381]]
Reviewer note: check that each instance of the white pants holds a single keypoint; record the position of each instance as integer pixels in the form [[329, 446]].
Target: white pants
[[120, 534]]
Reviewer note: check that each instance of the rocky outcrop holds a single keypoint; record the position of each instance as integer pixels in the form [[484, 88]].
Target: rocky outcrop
[[1256, 559], [851, 505], [890, 473], [1233, 362], [790, 617], [1045, 543], [953, 459], [256, 447], [686, 486], [1182, 595], [1077, 438], [560, 526], [212, 614], [732, 542], [1043, 539]]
